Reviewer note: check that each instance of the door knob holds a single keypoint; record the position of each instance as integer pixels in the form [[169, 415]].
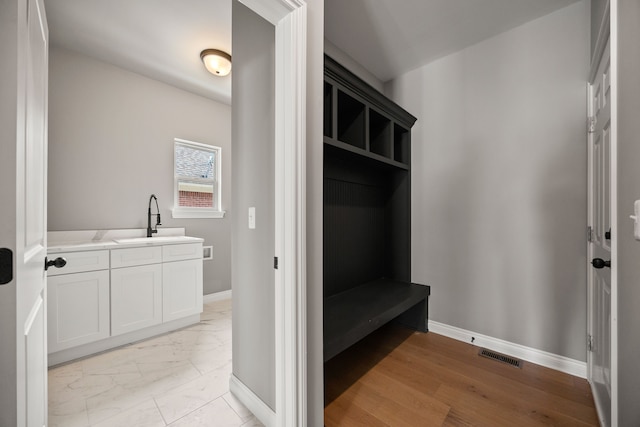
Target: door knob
[[600, 263], [57, 263]]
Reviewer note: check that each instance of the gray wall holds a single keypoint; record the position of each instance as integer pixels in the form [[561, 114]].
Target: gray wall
[[352, 65], [253, 186], [111, 137], [597, 13], [499, 183], [11, 12], [628, 191], [315, 147]]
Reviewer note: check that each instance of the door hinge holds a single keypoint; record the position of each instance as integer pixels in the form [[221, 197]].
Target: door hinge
[[591, 124], [589, 342], [589, 234], [275, 262]]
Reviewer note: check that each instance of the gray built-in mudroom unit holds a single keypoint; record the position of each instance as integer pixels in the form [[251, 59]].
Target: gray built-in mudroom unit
[[367, 213]]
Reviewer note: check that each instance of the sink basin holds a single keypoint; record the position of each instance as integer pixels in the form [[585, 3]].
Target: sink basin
[[153, 240]]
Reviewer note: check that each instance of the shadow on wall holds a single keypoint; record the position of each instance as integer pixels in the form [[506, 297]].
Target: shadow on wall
[[564, 254]]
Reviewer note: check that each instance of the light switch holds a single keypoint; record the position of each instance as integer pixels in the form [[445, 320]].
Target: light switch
[[252, 218], [636, 219]]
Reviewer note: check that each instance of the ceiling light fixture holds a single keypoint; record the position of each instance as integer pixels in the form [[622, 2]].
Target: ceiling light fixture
[[216, 61]]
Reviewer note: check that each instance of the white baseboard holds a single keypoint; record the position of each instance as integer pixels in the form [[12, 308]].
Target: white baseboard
[[539, 357], [217, 296], [253, 403]]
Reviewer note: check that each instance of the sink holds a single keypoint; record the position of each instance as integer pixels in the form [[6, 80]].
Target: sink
[[152, 240]]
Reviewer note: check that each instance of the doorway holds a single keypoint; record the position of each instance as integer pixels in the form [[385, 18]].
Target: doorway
[[289, 18]]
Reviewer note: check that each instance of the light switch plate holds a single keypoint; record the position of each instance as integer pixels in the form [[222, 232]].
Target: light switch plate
[[636, 219], [252, 218]]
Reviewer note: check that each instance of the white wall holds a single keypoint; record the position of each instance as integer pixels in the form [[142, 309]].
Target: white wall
[[499, 183], [111, 136], [253, 186]]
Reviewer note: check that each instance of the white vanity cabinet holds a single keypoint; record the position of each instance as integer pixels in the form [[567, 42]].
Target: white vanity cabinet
[[181, 280], [116, 293], [78, 300], [136, 289]]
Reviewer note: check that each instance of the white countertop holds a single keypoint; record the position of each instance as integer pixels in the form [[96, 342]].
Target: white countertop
[[90, 240]]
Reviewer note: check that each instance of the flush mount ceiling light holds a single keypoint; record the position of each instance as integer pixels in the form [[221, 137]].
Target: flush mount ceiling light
[[216, 61]]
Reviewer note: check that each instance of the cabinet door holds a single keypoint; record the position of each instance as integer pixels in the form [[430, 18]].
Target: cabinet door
[[78, 309], [136, 298], [182, 289]]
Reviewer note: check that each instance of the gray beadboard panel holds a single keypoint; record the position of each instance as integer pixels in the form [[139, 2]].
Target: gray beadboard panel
[[398, 230], [354, 245]]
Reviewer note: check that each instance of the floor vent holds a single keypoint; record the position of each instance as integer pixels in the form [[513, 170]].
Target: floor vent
[[500, 357]]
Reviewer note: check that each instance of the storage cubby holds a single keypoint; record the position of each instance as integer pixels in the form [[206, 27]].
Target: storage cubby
[[351, 129], [328, 110], [366, 213], [401, 144], [379, 134]]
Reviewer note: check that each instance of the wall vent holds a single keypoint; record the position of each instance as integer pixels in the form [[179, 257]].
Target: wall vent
[[500, 357]]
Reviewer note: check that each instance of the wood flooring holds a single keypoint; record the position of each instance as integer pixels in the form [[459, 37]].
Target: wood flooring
[[398, 377]]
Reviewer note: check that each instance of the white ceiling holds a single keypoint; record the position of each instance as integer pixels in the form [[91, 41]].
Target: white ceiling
[[391, 37], [163, 39]]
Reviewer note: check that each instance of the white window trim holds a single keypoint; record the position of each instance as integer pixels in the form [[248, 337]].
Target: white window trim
[[195, 212]]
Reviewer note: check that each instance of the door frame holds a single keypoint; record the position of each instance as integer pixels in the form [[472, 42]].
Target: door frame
[[607, 32], [289, 18]]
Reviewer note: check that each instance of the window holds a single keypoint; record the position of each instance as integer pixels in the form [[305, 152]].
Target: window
[[196, 180]]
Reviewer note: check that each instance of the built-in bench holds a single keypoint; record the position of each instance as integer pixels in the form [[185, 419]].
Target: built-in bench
[[366, 213], [351, 315]]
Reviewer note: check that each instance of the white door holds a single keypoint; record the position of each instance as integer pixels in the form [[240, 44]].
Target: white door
[[599, 322], [24, 375]]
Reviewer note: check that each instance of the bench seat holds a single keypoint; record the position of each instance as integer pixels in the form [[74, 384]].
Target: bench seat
[[351, 315]]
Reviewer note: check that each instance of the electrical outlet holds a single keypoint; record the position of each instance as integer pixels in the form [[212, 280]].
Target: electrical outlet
[[207, 252]]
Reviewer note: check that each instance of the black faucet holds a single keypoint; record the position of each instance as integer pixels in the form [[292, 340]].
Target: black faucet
[[150, 230]]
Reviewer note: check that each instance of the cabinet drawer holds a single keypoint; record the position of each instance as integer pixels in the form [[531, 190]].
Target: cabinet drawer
[[136, 256], [78, 262], [182, 252]]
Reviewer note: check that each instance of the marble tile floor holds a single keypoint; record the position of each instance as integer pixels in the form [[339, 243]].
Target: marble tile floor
[[178, 379]]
